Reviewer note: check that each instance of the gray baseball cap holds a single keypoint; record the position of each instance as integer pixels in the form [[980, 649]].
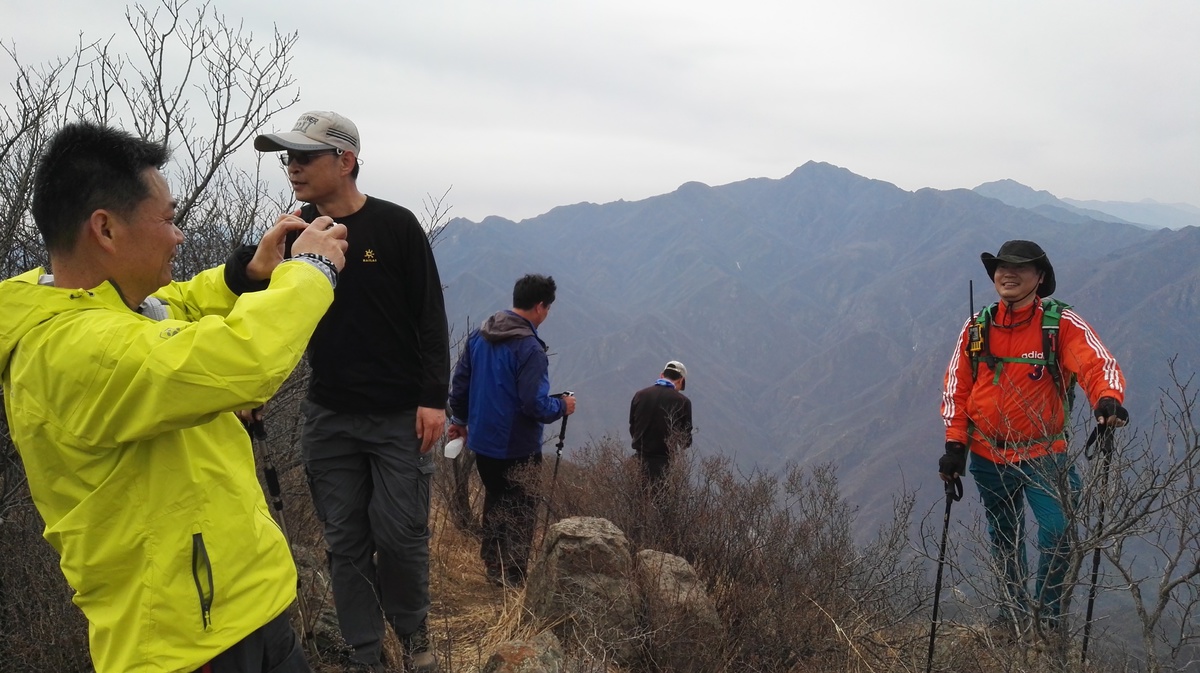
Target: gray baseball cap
[[314, 131]]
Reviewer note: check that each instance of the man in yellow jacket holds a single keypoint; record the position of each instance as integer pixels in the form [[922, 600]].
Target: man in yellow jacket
[[120, 387]]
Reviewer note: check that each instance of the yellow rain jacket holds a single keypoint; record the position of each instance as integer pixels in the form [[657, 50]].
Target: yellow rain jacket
[[144, 477]]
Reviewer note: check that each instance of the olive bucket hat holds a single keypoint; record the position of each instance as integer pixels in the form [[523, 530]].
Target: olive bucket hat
[[1022, 252]]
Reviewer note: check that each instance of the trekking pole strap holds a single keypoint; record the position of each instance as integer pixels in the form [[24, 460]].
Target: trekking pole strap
[[562, 429], [562, 436], [1102, 438], [954, 489]]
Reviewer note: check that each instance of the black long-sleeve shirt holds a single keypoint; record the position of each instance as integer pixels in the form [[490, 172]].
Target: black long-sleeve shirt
[[383, 344]]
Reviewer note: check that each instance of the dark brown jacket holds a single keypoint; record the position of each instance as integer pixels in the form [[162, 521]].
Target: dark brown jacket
[[660, 420]]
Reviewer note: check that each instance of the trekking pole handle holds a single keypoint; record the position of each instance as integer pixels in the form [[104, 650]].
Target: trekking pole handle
[[256, 426], [562, 432]]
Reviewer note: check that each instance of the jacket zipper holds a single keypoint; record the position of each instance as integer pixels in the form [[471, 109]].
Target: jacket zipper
[[202, 574]]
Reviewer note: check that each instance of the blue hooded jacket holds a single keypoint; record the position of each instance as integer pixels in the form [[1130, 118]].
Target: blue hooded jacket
[[501, 388]]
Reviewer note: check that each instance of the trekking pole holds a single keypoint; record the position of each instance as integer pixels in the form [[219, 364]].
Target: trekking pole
[[1105, 435], [954, 491], [258, 437], [562, 435]]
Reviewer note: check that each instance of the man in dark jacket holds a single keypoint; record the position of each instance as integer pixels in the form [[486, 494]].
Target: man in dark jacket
[[501, 393], [660, 421]]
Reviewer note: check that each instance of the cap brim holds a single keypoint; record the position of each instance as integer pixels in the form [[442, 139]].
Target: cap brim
[[292, 140]]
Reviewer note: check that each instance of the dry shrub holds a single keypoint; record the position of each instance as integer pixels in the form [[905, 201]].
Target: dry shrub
[[776, 553]]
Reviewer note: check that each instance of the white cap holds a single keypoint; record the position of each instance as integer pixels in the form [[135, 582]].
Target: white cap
[[677, 367]]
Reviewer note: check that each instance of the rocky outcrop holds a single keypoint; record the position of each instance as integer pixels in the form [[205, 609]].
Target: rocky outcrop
[[653, 612]]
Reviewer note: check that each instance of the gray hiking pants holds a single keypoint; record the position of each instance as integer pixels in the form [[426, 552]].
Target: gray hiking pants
[[371, 489]]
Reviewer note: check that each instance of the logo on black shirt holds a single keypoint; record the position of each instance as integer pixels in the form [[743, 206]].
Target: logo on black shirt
[[369, 256]]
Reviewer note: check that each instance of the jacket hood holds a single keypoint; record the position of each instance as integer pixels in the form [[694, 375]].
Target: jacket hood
[[506, 325], [25, 304]]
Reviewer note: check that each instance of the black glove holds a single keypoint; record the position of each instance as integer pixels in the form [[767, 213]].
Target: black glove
[[1108, 407], [954, 463]]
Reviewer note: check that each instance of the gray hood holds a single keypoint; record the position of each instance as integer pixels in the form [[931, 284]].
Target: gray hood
[[506, 325]]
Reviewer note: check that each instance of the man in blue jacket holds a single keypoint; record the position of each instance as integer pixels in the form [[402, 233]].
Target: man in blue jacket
[[500, 391]]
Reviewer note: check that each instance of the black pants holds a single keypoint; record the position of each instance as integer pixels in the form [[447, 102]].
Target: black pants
[[654, 468], [509, 515], [273, 648]]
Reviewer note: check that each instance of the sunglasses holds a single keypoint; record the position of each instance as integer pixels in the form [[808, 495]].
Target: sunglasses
[[305, 158]]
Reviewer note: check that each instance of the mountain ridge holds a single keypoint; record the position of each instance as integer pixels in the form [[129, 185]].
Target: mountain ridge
[[815, 312]]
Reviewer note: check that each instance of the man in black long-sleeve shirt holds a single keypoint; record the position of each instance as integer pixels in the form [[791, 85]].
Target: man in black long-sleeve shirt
[[660, 420], [376, 401]]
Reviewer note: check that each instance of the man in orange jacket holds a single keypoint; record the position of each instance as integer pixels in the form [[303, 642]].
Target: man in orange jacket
[[1004, 400]]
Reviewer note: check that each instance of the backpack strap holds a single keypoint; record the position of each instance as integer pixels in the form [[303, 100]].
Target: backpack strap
[[1051, 317], [1052, 310]]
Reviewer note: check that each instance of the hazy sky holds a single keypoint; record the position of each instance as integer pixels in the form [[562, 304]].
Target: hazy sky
[[525, 105]]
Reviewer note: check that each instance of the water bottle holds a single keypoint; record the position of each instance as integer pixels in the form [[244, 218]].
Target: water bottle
[[453, 448]]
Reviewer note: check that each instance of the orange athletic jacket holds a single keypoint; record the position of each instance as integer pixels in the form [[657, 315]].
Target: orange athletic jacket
[[1018, 414]]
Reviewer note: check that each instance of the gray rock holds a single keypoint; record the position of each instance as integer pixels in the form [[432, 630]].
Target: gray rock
[[583, 588], [542, 654], [684, 630]]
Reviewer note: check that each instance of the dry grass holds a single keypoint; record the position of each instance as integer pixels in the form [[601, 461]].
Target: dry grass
[[470, 615]]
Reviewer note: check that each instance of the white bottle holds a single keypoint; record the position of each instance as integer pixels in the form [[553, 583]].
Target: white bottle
[[453, 448]]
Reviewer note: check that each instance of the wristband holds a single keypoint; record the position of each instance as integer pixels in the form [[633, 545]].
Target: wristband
[[322, 263]]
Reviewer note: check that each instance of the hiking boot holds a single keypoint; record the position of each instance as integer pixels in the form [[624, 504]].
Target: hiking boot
[[507, 577], [418, 652], [350, 663], [495, 575], [514, 577]]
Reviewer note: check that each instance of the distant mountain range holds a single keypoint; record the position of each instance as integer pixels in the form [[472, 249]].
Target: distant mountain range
[[1149, 214], [816, 313]]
